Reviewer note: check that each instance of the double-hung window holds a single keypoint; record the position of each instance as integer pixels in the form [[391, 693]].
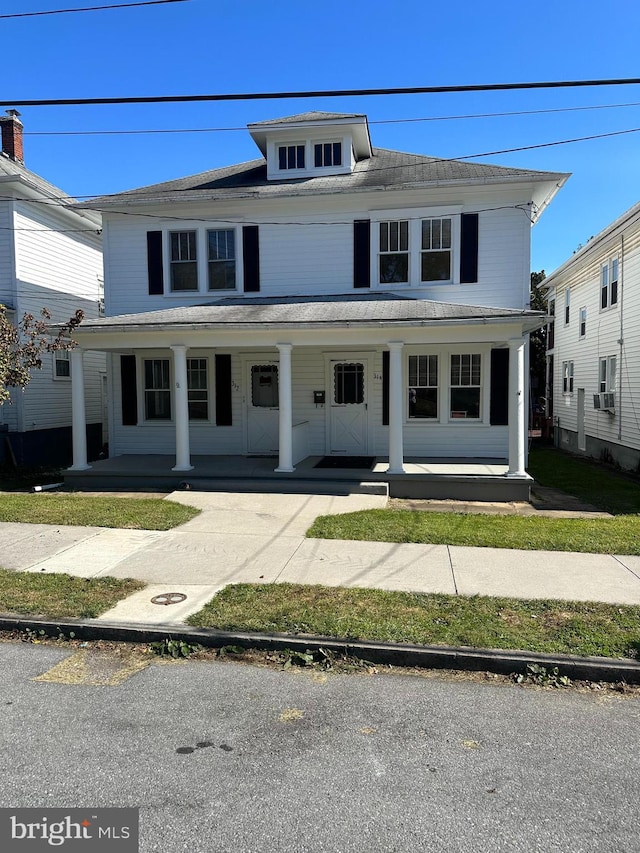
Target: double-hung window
[[184, 260], [62, 364], [157, 389], [436, 249], [291, 157], [607, 374], [465, 389], [567, 306], [197, 389], [327, 154], [609, 284], [394, 252], [583, 323], [423, 386], [221, 250], [567, 377]]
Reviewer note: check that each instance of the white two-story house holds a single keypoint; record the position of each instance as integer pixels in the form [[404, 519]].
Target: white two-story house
[[328, 302], [50, 257], [594, 346]]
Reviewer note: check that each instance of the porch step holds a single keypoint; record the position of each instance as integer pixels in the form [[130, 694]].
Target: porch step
[[293, 486]]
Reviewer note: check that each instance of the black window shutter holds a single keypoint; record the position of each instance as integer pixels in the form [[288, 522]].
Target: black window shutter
[[223, 390], [154, 263], [362, 253], [251, 258], [499, 407], [469, 248], [128, 390], [385, 387]]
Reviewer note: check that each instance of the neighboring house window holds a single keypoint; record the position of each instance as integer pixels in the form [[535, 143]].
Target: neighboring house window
[[394, 252], [184, 261], [551, 328], [607, 373], [465, 386], [583, 322], [327, 154], [222, 259], [567, 305], [197, 389], [157, 390], [567, 377], [291, 157], [423, 386], [62, 364], [436, 250], [609, 284]]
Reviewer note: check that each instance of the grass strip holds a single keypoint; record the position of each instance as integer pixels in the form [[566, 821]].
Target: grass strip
[[619, 535], [555, 627], [91, 511], [60, 595], [604, 487]]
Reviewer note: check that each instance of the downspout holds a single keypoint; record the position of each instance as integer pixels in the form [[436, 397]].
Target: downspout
[[621, 338]]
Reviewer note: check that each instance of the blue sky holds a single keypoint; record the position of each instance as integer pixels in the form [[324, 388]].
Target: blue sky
[[211, 46]]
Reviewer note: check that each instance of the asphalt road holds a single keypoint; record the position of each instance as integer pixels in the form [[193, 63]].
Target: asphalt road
[[228, 758]]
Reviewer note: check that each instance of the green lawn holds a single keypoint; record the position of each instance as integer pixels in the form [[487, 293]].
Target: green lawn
[[91, 511], [600, 485], [554, 627], [60, 596]]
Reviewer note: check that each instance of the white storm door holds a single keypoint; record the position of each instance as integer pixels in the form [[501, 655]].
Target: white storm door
[[348, 407], [262, 408]]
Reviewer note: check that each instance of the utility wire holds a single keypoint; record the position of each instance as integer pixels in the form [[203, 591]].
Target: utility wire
[[89, 9], [375, 121], [326, 93]]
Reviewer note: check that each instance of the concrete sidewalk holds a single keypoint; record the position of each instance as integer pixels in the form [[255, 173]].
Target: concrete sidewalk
[[259, 538]]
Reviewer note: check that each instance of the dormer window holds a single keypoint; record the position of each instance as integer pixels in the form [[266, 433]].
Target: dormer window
[[291, 157], [327, 154]]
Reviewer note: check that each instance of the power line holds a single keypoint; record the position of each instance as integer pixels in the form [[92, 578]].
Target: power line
[[375, 121], [327, 93], [89, 9], [549, 144]]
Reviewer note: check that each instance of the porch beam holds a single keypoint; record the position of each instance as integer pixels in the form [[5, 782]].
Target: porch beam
[[183, 452], [78, 413], [396, 409], [516, 408], [285, 421]]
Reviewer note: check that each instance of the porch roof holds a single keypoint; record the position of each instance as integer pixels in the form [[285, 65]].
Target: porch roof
[[338, 311]]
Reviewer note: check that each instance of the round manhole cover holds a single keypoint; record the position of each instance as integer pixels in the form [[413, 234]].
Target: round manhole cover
[[169, 598]]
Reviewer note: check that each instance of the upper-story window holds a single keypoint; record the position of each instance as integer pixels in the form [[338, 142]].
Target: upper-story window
[[394, 252], [291, 156], [436, 249], [327, 154], [582, 331], [184, 260], [567, 306], [609, 283], [221, 247]]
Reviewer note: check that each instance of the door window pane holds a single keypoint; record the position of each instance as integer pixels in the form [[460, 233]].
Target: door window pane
[[348, 384], [264, 386]]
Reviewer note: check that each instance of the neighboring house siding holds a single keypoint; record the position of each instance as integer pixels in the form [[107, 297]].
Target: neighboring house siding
[[607, 435]]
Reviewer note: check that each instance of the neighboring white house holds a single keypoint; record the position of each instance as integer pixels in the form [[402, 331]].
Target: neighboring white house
[[50, 257], [328, 299], [594, 346]]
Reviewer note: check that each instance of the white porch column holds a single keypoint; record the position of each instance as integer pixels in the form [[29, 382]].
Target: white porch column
[[183, 456], [78, 414], [285, 425], [517, 408], [396, 409]]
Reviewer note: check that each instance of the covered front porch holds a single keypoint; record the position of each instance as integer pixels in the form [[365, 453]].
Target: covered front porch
[[440, 479]]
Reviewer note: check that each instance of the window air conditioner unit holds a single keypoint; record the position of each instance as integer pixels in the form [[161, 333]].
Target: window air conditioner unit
[[609, 400], [596, 401]]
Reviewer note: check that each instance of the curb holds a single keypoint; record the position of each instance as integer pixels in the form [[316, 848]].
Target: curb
[[396, 654]]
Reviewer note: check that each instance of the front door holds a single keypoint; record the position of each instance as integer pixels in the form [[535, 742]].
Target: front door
[[262, 408], [348, 407]]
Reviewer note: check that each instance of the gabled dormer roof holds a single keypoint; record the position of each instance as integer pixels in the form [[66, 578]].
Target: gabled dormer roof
[[357, 123]]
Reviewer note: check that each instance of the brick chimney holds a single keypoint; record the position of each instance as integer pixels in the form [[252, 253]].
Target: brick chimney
[[12, 135]]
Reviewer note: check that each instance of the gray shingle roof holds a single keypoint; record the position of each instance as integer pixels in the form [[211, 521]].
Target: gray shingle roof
[[311, 115], [369, 308], [383, 170], [13, 169]]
